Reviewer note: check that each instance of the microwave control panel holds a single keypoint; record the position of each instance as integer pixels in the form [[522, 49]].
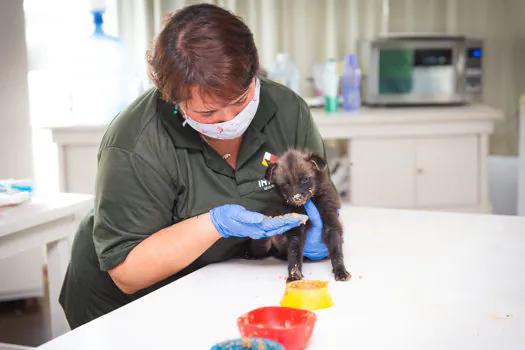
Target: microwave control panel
[[474, 68]]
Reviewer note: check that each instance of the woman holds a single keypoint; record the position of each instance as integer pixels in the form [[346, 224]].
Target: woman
[[180, 180]]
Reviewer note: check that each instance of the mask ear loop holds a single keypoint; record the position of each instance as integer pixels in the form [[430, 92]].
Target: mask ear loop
[[175, 110]]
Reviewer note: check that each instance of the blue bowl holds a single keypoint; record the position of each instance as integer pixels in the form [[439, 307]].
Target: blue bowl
[[248, 343]]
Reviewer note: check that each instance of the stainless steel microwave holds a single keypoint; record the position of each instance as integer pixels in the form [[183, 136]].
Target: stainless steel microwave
[[425, 69]]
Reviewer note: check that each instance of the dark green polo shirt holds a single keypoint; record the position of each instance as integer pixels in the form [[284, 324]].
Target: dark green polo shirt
[[154, 172]]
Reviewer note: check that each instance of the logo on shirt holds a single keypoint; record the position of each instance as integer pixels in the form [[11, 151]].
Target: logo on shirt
[[268, 159], [265, 184]]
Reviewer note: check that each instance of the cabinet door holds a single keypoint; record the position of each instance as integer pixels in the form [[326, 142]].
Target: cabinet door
[[382, 173], [447, 171]]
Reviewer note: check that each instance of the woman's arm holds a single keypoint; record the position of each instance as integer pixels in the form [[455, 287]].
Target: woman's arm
[[172, 249], [165, 253]]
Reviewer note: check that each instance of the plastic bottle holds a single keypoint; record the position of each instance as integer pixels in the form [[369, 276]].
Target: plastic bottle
[[331, 86], [102, 82], [284, 71], [351, 83], [317, 74]]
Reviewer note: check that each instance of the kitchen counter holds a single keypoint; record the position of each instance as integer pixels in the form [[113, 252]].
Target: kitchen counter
[[396, 115]]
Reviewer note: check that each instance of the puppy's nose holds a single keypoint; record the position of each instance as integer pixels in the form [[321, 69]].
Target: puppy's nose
[[297, 197]]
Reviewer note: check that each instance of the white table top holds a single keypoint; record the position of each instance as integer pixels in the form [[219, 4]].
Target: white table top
[[429, 281], [41, 209]]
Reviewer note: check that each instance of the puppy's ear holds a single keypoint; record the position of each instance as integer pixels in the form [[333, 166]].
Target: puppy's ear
[[318, 162], [270, 172]]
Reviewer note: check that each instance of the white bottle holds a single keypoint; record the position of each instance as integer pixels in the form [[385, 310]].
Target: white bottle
[[331, 86], [284, 71]]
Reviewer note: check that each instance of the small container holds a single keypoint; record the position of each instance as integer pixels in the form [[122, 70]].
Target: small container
[[290, 327], [248, 343], [307, 295]]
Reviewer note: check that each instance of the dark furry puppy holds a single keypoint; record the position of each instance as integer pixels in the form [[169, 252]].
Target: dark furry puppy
[[299, 175]]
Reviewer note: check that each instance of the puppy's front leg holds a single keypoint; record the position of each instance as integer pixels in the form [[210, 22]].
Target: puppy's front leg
[[295, 254], [333, 239]]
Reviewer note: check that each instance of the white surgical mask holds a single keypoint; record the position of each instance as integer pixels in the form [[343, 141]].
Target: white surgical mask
[[233, 128]]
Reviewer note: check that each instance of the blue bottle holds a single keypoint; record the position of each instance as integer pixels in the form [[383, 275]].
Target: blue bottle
[[351, 83]]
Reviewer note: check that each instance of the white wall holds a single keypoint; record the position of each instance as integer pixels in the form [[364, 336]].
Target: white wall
[[15, 135], [15, 131]]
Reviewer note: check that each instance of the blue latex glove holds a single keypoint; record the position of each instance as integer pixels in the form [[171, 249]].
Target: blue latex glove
[[232, 220], [314, 247]]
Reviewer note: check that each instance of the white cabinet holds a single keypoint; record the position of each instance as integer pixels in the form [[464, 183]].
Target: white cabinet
[[77, 156], [411, 172], [383, 171], [415, 158], [447, 171], [79, 168]]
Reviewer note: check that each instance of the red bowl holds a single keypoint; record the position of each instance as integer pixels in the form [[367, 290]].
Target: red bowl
[[290, 327]]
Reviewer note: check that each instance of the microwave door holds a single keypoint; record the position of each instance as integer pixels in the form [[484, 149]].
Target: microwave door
[[395, 71], [415, 75], [434, 73]]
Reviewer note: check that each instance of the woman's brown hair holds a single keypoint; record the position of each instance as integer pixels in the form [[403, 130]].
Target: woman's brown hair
[[206, 46]]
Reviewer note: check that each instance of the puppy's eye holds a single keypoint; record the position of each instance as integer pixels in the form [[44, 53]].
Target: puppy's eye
[[305, 180]]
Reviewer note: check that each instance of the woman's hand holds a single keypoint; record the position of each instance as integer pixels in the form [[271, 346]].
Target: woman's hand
[[314, 248], [234, 220]]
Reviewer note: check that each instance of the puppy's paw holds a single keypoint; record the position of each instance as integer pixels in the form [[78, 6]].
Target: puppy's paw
[[341, 274], [294, 275]]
